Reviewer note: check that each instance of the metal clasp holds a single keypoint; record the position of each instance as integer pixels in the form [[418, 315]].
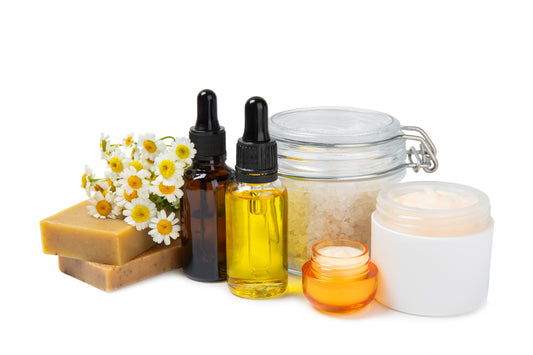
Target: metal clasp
[[425, 157]]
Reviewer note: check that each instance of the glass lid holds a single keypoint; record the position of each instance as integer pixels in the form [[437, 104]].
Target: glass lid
[[333, 125]]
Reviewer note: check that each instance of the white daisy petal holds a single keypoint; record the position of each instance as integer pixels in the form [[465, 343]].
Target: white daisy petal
[[139, 212], [103, 207], [183, 149], [163, 228], [169, 189]]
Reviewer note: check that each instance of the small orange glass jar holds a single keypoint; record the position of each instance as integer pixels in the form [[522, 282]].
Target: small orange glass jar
[[340, 277]]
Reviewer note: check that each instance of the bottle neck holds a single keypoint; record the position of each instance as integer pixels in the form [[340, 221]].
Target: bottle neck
[[255, 178], [212, 163]]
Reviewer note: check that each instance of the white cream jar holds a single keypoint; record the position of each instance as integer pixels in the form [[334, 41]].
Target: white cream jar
[[432, 242]]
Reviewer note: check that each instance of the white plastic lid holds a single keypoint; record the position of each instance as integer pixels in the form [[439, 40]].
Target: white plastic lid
[[333, 125]]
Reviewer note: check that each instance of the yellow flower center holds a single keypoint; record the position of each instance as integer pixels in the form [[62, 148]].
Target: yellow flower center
[[116, 164], [112, 187], [84, 180], [182, 151], [130, 197], [165, 189], [135, 182], [164, 227], [149, 146], [137, 165], [98, 188], [140, 214], [167, 168], [103, 145], [149, 161], [103, 208], [128, 141]]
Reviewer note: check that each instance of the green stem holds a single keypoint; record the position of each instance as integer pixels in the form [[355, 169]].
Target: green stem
[[168, 137]]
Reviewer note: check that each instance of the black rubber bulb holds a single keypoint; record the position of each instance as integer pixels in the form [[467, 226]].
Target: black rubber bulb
[[208, 136], [207, 119], [257, 158], [256, 121]]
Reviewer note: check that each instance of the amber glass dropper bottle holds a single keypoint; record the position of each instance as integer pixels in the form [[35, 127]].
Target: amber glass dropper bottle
[[256, 212], [203, 210]]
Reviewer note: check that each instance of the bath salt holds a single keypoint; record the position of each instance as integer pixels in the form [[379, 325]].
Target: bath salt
[[320, 210]]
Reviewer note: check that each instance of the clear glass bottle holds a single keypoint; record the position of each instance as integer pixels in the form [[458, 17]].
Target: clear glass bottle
[[203, 204], [256, 213], [334, 161]]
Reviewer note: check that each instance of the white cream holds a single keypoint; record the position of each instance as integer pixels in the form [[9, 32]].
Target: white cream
[[341, 257], [340, 251], [431, 199]]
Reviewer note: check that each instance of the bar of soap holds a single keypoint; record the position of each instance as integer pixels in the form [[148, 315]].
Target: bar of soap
[[75, 234], [156, 260]]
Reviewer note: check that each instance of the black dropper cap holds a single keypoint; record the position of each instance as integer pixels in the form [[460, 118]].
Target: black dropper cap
[[208, 136], [257, 160]]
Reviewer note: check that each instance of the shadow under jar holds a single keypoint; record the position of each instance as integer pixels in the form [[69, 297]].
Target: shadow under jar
[[334, 161]]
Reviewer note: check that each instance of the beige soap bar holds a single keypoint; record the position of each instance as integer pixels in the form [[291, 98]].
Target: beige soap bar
[[155, 261], [75, 234]]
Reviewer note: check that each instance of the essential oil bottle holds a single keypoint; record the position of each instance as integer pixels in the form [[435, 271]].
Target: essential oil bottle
[[205, 182], [256, 212]]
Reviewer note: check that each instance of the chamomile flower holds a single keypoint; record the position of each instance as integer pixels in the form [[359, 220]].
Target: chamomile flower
[[105, 146], [183, 149], [111, 183], [128, 141], [103, 207], [148, 163], [133, 180], [135, 153], [103, 186], [167, 167], [170, 191], [122, 197], [118, 162], [138, 212], [150, 147], [136, 164], [86, 180], [112, 180], [164, 228]]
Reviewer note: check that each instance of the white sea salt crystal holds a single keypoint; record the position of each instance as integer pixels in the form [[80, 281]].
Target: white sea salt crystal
[[320, 210]]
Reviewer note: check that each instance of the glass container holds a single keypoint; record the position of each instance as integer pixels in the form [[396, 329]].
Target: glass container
[[340, 277], [257, 239], [256, 212], [334, 161], [205, 182]]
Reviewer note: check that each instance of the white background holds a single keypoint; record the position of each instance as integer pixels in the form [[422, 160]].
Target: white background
[[70, 70]]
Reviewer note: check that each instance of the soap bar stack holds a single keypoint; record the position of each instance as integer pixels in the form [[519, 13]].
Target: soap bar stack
[[105, 253]]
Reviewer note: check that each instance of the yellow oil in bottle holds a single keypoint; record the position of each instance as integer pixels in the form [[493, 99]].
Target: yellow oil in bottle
[[256, 242]]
